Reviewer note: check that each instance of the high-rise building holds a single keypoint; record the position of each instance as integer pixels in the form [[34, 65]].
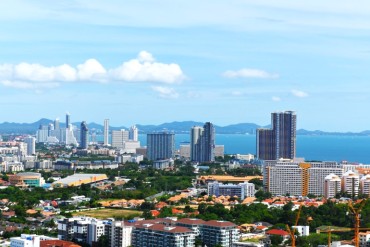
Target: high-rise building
[[279, 141], [160, 145], [332, 186], [56, 124], [365, 185], [134, 133], [68, 120], [31, 145], [84, 136], [202, 143], [298, 179], [42, 133], [106, 132], [118, 234], [350, 183], [119, 137]]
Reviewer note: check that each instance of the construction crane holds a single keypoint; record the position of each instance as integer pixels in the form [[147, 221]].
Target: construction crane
[[357, 214], [290, 230]]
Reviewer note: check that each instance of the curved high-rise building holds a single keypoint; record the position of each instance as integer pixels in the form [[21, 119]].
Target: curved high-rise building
[[133, 133], [84, 135], [202, 143]]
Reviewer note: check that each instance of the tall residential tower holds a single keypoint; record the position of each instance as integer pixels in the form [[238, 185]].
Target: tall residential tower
[[106, 132], [202, 143], [84, 135], [279, 141]]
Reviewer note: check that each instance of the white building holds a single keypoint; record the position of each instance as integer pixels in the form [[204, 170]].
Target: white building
[[134, 133], [303, 230], [185, 151], [247, 157], [119, 137], [332, 186], [95, 230], [130, 147], [350, 183], [364, 238], [365, 185], [106, 132], [119, 235], [28, 240], [70, 137], [241, 190], [31, 145], [294, 178]]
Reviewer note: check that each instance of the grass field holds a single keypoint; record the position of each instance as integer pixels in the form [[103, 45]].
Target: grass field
[[109, 213]]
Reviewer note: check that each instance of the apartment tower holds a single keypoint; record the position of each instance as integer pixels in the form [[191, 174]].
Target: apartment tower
[[279, 141]]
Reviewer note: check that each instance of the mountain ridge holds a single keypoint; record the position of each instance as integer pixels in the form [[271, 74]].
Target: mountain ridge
[[176, 126]]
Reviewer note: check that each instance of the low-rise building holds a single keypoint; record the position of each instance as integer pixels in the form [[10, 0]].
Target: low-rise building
[[161, 235], [27, 179], [241, 190], [215, 232]]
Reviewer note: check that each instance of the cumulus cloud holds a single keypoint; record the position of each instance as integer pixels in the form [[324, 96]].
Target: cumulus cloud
[[276, 99], [144, 68], [299, 94], [249, 73], [166, 92]]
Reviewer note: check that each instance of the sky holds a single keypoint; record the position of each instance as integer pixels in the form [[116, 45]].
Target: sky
[[156, 61]]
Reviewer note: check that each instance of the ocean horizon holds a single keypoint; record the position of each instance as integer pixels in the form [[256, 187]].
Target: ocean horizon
[[311, 147]]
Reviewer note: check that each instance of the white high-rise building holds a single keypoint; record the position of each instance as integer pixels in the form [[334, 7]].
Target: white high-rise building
[[106, 132], [134, 133], [365, 185], [332, 185], [241, 190], [118, 234], [70, 138], [31, 145], [350, 183], [119, 137]]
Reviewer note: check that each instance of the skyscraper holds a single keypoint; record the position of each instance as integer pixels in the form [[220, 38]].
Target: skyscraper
[[68, 120], [56, 124], [202, 143], [279, 141], [31, 145], [106, 132], [160, 145], [134, 133], [84, 135]]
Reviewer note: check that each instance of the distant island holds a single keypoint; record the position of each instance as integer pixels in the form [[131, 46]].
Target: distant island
[[182, 127]]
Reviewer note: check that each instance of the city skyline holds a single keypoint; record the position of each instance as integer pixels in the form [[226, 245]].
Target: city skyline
[[223, 62]]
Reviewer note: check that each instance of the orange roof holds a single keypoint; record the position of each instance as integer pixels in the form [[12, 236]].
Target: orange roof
[[155, 213], [177, 211]]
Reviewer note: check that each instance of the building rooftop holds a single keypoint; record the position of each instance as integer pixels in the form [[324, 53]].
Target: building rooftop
[[190, 221], [219, 223]]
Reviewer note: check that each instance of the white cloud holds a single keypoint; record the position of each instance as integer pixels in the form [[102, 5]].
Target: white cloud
[[249, 73], [276, 99], [166, 92], [141, 69], [237, 93], [144, 68], [299, 94]]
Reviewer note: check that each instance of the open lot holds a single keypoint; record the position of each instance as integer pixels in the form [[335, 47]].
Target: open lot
[[109, 213]]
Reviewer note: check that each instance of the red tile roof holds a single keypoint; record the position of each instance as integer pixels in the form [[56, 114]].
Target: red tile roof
[[218, 223], [190, 221], [277, 232]]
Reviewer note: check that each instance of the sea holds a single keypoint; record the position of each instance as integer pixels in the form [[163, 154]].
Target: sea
[[311, 147]]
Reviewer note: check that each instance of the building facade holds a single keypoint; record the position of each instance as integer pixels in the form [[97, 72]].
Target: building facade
[[119, 137], [84, 140], [241, 190], [160, 146], [332, 186], [202, 143], [279, 141], [161, 235], [106, 132]]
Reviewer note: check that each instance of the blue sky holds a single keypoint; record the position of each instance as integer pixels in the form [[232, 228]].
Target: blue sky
[[150, 62]]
